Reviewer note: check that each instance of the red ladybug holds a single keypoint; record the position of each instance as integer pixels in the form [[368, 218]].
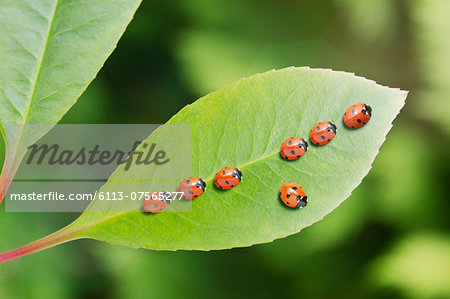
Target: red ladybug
[[154, 206], [357, 115], [192, 187], [293, 195], [293, 148], [322, 133], [227, 178]]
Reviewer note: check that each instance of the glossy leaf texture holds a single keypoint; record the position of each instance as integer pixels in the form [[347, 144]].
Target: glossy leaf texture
[[243, 125], [50, 50]]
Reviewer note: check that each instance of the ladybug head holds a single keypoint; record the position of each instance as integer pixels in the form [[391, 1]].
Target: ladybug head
[[367, 109], [302, 202], [332, 127], [202, 184], [239, 173], [304, 143], [167, 196]]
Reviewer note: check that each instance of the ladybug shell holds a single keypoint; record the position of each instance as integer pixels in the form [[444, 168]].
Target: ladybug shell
[[293, 195], [357, 115], [293, 148], [192, 187], [227, 178], [322, 133], [154, 206]]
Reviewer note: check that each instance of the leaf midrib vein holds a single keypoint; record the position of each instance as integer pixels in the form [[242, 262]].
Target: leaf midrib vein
[[209, 180], [33, 89], [26, 115]]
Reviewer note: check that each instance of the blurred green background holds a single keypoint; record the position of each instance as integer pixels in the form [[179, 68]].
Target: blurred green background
[[390, 239]]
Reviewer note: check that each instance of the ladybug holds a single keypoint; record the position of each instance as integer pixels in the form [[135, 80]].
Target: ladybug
[[293, 195], [322, 133], [293, 148], [154, 206], [192, 187], [357, 115], [227, 178]]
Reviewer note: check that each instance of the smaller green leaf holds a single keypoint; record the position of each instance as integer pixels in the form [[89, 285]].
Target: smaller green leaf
[[50, 50]]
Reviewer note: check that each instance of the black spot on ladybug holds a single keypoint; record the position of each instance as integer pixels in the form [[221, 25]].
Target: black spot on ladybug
[[294, 188], [329, 140], [318, 128], [298, 156], [188, 182], [223, 172], [290, 142], [354, 105], [195, 196], [232, 186], [323, 137], [293, 152], [329, 130], [353, 111], [288, 195], [227, 182], [190, 192], [365, 122], [358, 120]]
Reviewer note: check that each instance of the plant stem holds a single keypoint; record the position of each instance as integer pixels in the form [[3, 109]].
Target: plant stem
[[4, 185], [10, 167], [56, 238]]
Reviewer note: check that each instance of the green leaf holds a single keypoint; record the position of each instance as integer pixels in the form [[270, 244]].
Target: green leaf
[[50, 50], [243, 125]]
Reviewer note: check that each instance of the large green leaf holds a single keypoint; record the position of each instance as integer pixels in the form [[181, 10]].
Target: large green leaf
[[50, 50], [243, 125]]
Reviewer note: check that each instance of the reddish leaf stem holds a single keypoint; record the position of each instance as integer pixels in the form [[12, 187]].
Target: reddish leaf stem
[[59, 237], [4, 185], [10, 166]]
